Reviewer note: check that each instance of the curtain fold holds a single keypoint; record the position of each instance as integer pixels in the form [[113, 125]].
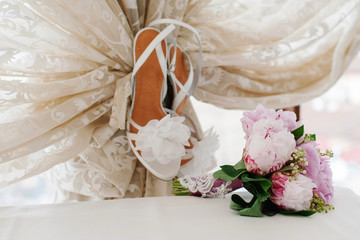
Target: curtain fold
[[65, 69]]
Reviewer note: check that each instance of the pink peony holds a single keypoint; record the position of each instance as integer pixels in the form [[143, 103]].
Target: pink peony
[[289, 119], [269, 147], [249, 118], [319, 171], [294, 195]]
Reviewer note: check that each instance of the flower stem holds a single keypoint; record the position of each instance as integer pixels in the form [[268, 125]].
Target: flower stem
[[180, 190]]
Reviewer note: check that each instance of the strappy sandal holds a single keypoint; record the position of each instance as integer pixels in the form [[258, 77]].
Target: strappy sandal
[[156, 138], [184, 79]]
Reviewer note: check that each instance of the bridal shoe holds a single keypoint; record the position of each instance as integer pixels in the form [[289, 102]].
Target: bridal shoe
[[156, 138], [184, 78]]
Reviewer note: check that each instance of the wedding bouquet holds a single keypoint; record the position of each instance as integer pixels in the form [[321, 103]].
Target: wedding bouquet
[[281, 167]]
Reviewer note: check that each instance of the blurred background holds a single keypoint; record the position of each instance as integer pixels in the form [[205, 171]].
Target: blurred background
[[334, 118]]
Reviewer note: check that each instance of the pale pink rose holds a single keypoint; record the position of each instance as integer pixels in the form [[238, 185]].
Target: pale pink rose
[[319, 171], [294, 195], [269, 147]]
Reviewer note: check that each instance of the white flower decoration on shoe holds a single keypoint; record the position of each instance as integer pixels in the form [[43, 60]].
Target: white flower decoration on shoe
[[163, 141], [206, 148], [203, 153]]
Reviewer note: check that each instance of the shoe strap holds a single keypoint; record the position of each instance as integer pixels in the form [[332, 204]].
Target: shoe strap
[[184, 89], [172, 63], [155, 42], [133, 136], [154, 45], [195, 131], [192, 29]]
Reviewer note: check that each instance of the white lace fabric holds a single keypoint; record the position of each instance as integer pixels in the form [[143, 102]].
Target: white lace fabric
[[204, 186], [65, 70]]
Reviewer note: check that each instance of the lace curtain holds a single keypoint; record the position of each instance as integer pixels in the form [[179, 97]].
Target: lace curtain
[[65, 68]]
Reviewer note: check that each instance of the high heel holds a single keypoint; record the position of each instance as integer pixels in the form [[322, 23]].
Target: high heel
[[156, 138], [184, 79]]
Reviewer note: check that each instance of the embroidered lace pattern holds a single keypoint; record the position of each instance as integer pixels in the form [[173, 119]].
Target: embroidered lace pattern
[[65, 70], [204, 185]]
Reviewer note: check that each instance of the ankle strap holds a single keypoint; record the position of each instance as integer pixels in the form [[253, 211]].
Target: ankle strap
[[184, 89], [192, 29]]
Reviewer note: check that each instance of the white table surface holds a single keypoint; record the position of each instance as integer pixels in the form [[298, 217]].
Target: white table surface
[[174, 218]]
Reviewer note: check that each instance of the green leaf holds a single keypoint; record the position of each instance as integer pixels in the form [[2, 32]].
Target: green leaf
[[222, 175], [240, 202], [269, 208], [252, 208], [313, 137], [228, 173], [257, 191], [298, 132], [305, 213], [262, 182], [240, 165], [250, 177], [235, 206], [229, 170], [253, 211], [256, 185]]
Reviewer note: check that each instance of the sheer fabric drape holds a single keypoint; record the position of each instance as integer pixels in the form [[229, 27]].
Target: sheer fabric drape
[[65, 68]]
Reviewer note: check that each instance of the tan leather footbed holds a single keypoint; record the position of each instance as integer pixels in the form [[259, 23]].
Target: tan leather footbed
[[148, 83]]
